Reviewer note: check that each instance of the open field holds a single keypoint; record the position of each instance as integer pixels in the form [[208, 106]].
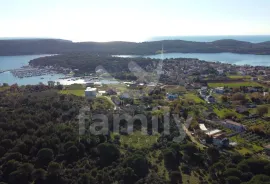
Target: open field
[[174, 88], [138, 141], [77, 92], [239, 76], [223, 112], [234, 84], [191, 96]]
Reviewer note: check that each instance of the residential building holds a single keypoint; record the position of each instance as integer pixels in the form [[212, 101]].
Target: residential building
[[219, 90], [90, 92], [220, 140], [213, 132], [233, 125], [51, 83], [172, 96], [203, 128], [101, 93], [210, 99]]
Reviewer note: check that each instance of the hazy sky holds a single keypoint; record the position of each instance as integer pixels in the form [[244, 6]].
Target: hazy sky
[[132, 20]]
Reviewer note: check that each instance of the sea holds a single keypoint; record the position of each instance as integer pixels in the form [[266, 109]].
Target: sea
[[13, 62]]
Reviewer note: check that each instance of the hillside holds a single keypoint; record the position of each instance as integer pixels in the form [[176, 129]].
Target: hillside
[[57, 46]]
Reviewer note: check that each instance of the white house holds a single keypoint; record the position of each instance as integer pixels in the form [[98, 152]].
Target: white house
[[203, 128], [220, 71], [213, 132], [90, 92]]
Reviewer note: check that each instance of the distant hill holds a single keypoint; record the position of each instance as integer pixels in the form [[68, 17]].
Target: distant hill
[[58, 46]]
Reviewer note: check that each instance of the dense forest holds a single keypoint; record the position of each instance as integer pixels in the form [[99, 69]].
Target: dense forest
[[57, 46], [40, 143]]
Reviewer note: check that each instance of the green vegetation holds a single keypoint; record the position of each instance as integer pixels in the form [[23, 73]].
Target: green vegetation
[[74, 89], [194, 97], [46, 143], [226, 113], [77, 92], [239, 76], [244, 146], [138, 141], [234, 84]]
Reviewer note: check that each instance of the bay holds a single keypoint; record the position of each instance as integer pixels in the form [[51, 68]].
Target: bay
[[14, 62], [231, 58]]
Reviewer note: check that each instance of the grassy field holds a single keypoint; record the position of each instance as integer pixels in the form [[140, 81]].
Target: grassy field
[[239, 76], [138, 141], [234, 84], [2, 88], [77, 92], [191, 96], [175, 88], [222, 112]]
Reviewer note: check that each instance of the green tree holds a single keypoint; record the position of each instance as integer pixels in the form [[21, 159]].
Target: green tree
[[108, 153], [262, 110], [139, 164], [233, 180], [176, 177], [45, 155]]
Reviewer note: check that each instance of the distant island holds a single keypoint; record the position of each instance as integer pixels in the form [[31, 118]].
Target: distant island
[[58, 46]]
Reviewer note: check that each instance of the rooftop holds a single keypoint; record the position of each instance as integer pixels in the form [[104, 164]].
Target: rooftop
[[232, 122], [213, 132], [91, 89], [202, 127]]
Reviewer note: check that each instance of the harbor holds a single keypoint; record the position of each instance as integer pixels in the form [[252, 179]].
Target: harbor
[[29, 71]]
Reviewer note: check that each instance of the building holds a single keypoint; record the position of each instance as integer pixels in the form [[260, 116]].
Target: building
[[102, 93], [98, 84], [220, 71], [172, 96], [210, 99], [220, 140], [51, 83], [90, 92], [233, 125], [213, 132], [203, 128], [219, 90]]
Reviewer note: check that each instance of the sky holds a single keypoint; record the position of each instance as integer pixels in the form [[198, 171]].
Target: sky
[[132, 20]]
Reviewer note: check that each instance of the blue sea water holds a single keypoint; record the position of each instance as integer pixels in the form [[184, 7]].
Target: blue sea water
[[231, 58], [246, 38], [13, 62]]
